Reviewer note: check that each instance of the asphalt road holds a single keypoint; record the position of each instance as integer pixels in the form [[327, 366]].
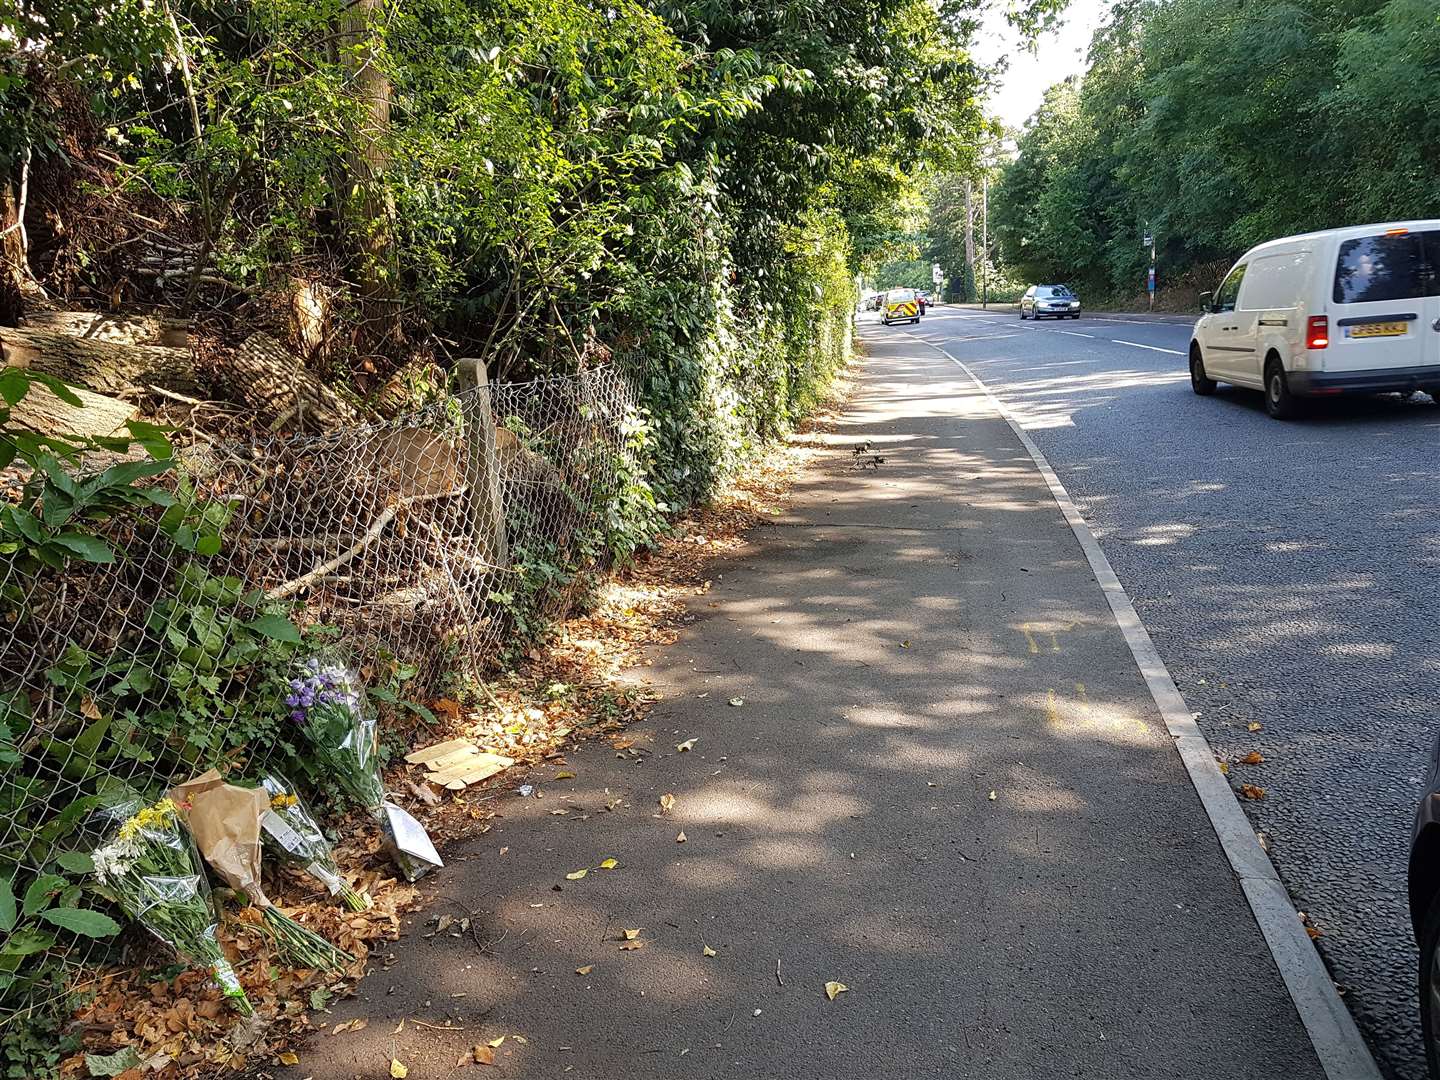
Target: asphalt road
[[1289, 575], [910, 752]]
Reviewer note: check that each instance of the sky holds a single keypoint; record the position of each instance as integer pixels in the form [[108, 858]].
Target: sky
[[1058, 54]]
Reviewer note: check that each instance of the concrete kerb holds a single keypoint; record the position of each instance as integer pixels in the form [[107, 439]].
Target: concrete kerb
[[1337, 1041]]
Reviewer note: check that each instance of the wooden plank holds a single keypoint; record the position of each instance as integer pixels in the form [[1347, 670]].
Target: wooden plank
[[430, 753], [455, 757], [470, 769], [481, 772]]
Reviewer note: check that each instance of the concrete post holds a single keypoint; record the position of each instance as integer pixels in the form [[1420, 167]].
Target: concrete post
[[482, 468]]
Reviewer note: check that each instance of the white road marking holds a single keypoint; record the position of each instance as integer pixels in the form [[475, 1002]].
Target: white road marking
[[1152, 348], [1073, 333]]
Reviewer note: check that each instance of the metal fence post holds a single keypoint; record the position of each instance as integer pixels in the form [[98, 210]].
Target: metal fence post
[[482, 468]]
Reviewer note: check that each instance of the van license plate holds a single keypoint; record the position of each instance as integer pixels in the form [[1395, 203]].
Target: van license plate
[[1376, 329]]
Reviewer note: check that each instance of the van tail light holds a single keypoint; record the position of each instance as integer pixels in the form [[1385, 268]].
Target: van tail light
[[1317, 332]]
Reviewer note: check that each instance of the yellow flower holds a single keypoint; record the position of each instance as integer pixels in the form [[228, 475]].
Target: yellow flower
[[160, 816]]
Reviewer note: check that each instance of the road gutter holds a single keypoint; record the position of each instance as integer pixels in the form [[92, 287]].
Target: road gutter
[[1332, 1030]]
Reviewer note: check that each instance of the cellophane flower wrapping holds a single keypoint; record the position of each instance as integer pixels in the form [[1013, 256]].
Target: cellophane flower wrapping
[[292, 830], [327, 701], [151, 869]]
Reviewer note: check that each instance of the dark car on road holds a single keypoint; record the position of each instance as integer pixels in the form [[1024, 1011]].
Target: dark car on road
[[1056, 300], [1425, 907]]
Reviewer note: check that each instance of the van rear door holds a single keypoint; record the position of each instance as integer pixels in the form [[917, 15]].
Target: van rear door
[[1382, 298]]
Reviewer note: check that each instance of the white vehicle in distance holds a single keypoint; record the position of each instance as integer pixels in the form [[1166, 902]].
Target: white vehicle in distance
[[1354, 310]]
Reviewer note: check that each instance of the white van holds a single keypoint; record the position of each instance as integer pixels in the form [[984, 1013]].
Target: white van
[[1353, 310]]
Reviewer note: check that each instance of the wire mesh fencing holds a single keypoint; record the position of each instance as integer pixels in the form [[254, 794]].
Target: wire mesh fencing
[[418, 548]]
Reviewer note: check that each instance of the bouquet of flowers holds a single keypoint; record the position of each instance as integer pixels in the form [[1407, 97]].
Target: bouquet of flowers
[[328, 703], [225, 821], [151, 869], [294, 832]]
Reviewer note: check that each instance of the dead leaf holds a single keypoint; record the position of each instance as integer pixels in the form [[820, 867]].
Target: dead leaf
[[496, 1043], [835, 989], [680, 837], [1252, 758], [631, 935], [992, 796], [1224, 767], [1250, 791], [483, 1055], [904, 644], [558, 812], [397, 1070], [609, 864], [585, 970], [708, 951], [289, 1058], [667, 802], [1314, 932], [688, 744], [630, 946], [737, 701], [577, 875], [399, 1027], [564, 776], [1254, 726]]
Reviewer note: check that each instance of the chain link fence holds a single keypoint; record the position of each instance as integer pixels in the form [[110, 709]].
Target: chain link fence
[[419, 548]]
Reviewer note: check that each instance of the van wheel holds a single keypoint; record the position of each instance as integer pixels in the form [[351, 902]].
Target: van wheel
[[1279, 402], [1201, 383]]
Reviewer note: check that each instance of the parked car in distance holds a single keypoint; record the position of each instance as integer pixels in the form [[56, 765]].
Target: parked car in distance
[[1425, 907], [899, 305], [1353, 310], [1056, 300]]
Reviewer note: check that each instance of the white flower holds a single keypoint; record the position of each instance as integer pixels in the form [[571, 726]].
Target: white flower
[[114, 859]]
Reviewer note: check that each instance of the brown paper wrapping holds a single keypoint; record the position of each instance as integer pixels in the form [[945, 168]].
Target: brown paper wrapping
[[225, 821]]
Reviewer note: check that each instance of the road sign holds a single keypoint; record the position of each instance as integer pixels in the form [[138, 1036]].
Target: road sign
[[936, 274], [1151, 284], [1149, 240]]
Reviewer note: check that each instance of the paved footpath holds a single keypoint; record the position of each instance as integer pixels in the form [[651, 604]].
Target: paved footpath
[[947, 788]]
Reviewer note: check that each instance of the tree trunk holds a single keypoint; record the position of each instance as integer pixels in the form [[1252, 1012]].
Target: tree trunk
[[121, 329], [12, 256], [104, 366], [42, 411], [266, 376], [370, 213], [969, 237]]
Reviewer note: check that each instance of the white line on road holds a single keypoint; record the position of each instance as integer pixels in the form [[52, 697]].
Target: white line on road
[[1073, 333], [1332, 1030], [1152, 348]]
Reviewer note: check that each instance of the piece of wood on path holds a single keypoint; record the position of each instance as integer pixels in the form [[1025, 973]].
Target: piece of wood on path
[[458, 763]]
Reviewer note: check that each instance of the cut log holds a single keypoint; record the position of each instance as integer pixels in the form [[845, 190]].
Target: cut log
[[42, 411], [122, 329], [412, 461], [106, 367], [266, 376]]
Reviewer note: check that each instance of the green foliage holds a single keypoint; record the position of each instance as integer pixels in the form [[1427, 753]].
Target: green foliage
[[1220, 124]]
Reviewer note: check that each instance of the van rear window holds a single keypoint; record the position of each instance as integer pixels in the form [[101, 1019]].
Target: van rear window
[[1400, 267]]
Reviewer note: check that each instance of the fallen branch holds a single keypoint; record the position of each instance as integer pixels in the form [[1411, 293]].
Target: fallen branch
[[370, 535]]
